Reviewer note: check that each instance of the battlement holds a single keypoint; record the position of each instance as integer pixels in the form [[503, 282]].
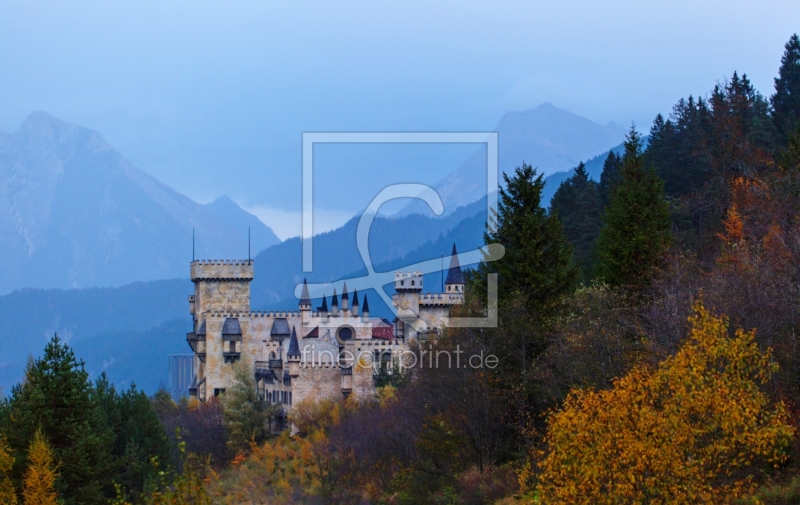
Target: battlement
[[408, 281], [436, 299], [222, 270]]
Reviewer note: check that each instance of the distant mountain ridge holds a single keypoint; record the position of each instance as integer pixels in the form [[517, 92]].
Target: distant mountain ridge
[[75, 213], [549, 138]]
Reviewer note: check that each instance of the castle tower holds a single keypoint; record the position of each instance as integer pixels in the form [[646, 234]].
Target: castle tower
[[305, 299], [354, 310], [409, 287], [365, 312], [455, 279], [323, 309], [220, 286]]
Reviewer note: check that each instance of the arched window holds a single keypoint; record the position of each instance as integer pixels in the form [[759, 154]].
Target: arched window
[[345, 334]]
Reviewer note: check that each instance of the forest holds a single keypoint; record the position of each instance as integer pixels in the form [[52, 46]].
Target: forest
[[648, 342]]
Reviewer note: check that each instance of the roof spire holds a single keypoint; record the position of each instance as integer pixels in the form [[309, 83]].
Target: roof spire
[[334, 299], [304, 298], [324, 306], [454, 275], [294, 346], [366, 305], [355, 297]]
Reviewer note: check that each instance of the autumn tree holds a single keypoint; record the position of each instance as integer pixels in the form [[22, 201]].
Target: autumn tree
[[695, 430], [40, 477], [636, 229], [7, 493]]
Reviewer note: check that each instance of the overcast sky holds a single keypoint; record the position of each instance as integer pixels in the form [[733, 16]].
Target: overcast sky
[[212, 97]]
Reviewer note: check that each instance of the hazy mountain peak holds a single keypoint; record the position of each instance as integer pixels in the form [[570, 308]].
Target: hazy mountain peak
[[75, 213], [550, 138]]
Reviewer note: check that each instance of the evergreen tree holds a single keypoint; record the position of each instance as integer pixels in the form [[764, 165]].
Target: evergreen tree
[[7, 493], [609, 176], [636, 226], [786, 100], [537, 267], [40, 477], [139, 436], [57, 397], [246, 414], [577, 204]]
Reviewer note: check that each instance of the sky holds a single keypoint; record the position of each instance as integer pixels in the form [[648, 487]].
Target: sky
[[212, 97]]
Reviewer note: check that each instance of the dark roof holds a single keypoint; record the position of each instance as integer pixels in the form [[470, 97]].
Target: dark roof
[[280, 327], [345, 296], [454, 275], [355, 298], [231, 326], [324, 306], [334, 299], [304, 298], [313, 333], [294, 346], [202, 329], [366, 305]]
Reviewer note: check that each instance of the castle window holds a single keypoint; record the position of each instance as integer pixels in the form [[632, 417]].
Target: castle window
[[412, 282], [345, 334], [219, 391], [402, 283], [290, 397]]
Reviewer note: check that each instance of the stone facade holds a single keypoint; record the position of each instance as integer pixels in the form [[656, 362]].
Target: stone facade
[[304, 354]]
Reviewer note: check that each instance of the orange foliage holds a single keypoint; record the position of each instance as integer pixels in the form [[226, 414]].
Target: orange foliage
[[7, 493], [694, 430], [40, 478]]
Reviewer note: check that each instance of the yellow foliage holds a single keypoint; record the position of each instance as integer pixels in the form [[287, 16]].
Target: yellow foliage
[[40, 477], [692, 431], [7, 493]]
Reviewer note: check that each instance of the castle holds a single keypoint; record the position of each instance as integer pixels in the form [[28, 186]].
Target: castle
[[327, 352]]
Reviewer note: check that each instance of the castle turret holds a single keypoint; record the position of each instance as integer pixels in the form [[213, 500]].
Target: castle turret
[[220, 286], [334, 304], [305, 299], [455, 279], [354, 311], [365, 311], [293, 355], [345, 300], [323, 309]]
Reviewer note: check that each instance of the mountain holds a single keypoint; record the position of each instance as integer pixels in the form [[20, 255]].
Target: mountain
[[261, 235], [32, 316], [278, 269], [547, 137], [75, 213]]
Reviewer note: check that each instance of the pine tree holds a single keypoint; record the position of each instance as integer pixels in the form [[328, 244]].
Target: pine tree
[[246, 414], [537, 267], [636, 227], [7, 493], [786, 100], [609, 176], [41, 474], [577, 204], [57, 397]]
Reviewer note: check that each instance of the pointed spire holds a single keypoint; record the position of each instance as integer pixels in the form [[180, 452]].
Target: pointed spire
[[334, 304], [305, 299], [354, 306], [324, 306], [345, 298], [294, 346], [366, 305], [454, 275]]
